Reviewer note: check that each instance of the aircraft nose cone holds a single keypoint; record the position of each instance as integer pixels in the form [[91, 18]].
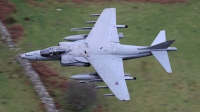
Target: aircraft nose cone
[[23, 56]]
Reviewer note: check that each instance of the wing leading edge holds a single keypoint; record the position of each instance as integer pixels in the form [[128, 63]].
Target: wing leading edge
[[111, 72]]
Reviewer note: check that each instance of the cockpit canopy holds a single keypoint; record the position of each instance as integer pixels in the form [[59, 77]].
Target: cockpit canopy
[[52, 51]]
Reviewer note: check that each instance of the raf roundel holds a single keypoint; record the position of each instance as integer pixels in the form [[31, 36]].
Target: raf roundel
[[116, 83]]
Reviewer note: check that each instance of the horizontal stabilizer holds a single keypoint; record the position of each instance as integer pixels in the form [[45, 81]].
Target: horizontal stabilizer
[[163, 45], [163, 59]]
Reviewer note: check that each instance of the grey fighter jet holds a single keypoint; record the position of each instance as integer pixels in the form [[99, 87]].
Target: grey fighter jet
[[101, 48]]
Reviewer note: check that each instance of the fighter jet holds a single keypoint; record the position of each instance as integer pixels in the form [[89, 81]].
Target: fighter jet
[[102, 50]]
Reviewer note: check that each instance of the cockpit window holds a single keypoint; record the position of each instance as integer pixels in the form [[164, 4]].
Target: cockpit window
[[52, 51]]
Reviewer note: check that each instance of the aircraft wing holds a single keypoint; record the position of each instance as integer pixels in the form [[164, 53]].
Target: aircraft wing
[[111, 72], [109, 67], [104, 30]]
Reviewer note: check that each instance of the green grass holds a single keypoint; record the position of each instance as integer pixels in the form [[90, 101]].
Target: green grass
[[154, 90], [16, 91]]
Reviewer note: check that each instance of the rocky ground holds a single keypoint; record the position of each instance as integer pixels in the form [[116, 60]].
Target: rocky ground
[[7, 8]]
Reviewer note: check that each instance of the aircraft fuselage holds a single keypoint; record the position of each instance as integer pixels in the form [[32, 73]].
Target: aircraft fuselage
[[79, 49], [75, 53]]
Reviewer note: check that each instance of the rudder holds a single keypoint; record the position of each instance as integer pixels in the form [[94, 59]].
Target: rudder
[[161, 37]]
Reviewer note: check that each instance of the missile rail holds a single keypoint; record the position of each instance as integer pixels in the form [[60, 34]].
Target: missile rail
[[101, 87], [106, 95]]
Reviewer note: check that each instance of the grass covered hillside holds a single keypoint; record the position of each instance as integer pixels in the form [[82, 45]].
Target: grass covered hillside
[[16, 91], [154, 90]]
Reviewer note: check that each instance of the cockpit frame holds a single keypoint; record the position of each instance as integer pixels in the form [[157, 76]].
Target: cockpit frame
[[52, 51]]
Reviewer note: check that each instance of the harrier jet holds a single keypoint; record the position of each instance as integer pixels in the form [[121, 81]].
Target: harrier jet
[[102, 50]]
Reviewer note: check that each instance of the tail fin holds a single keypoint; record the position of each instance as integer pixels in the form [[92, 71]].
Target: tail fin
[[162, 56], [161, 37]]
